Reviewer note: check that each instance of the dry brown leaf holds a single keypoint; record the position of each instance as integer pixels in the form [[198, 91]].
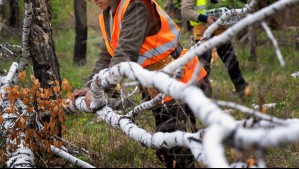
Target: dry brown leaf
[[30, 109], [32, 77], [22, 76], [57, 144], [63, 130], [56, 108], [250, 162], [88, 98], [1, 119], [56, 89], [26, 100]]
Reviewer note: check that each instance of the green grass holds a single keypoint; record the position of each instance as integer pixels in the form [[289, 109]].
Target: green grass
[[270, 83], [108, 147]]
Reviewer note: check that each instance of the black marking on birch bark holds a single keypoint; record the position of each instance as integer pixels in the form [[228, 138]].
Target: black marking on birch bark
[[118, 69], [13, 161], [130, 129], [99, 107], [125, 117], [230, 140], [29, 164], [111, 73], [198, 156], [98, 95], [190, 139], [106, 70], [164, 143], [143, 144], [105, 118], [110, 120], [133, 72]]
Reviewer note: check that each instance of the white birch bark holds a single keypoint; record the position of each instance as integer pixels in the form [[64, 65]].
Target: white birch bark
[[21, 158], [275, 44], [199, 49], [221, 127], [228, 14], [6, 80], [157, 140], [295, 75], [70, 158], [206, 110], [24, 60]]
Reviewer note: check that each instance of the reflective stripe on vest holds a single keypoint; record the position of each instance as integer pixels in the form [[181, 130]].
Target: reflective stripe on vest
[[155, 48], [199, 8]]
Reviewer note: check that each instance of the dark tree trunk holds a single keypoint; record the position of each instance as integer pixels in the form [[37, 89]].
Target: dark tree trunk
[[14, 13], [1, 14], [169, 7], [252, 42], [271, 21], [81, 32], [42, 49]]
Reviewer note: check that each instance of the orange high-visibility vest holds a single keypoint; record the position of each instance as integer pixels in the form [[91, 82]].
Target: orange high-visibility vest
[[154, 48]]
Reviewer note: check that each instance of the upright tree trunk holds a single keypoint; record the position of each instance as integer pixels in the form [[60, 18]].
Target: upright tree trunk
[[81, 32], [14, 13], [252, 42], [1, 14], [42, 49], [271, 21], [1, 8]]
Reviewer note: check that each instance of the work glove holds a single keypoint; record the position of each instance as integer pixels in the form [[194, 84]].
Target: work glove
[[214, 1], [207, 19]]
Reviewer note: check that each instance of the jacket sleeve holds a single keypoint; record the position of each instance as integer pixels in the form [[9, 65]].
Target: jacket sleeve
[[103, 61], [188, 13], [132, 34]]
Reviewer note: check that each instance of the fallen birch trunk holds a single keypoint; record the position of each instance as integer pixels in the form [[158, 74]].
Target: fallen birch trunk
[[221, 127]]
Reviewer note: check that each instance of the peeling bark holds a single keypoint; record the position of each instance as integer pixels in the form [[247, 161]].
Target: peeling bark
[[41, 44]]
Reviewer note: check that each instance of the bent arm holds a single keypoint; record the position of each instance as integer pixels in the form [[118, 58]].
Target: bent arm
[[103, 61], [132, 34], [188, 12]]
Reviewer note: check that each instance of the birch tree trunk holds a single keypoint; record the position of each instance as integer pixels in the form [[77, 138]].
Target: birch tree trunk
[[81, 32], [45, 62]]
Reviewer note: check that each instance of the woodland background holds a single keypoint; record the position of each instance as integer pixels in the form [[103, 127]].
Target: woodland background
[[108, 147]]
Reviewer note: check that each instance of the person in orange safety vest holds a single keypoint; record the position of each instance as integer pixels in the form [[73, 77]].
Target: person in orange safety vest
[[141, 31]]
